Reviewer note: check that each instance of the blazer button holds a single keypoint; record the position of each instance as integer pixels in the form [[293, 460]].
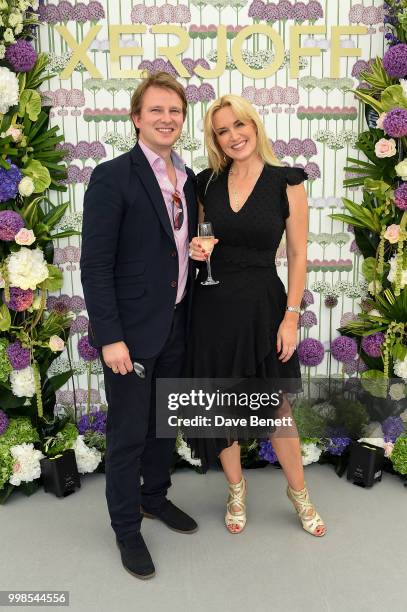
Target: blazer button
[[173, 253], [173, 283]]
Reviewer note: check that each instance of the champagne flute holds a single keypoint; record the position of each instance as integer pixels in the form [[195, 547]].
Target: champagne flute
[[207, 240]]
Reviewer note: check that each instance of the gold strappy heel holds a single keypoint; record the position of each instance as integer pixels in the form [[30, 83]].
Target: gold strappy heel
[[237, 497], [306, 511]]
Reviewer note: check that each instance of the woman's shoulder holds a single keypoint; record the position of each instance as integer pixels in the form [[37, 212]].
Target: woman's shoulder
[[291, 175]]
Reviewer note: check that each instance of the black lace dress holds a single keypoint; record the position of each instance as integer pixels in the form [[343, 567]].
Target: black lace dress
[[234, 324]]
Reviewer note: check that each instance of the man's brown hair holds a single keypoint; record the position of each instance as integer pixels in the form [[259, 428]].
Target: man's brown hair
[[159, 79]]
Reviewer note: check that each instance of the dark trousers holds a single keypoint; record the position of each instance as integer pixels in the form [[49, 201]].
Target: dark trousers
[[132, 450]]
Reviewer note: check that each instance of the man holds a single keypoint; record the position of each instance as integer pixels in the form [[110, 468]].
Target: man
[[139, 215]]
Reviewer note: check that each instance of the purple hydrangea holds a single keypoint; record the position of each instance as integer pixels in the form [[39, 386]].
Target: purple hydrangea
[[344, 349], [10, 224], [267, 451], [20, 299], [86, 351], [372, 344], [9, 180], [21, 56], [94, 421], [19, 356], [395, 61], [395, 122], [338, 442], [310, 352], [392, 427], [400, 196], [3, 422]]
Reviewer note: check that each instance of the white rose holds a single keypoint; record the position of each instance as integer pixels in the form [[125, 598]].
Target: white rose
[[310, 453], [388, 449], [374, 284], [400, 368], [8, 35], [380, 120], [392, 273], [56, 344], [18, 29], [14, 19], [401, 169], [8, 89], [26, 467], [397, 391], [87, 459], [26, 186], [22, 382], [25, 236], [27, 268]]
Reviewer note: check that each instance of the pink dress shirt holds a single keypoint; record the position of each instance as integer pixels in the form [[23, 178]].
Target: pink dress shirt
[[181, 237]]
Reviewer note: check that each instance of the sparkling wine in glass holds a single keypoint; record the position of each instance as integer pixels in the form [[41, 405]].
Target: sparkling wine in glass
[[207, 240]]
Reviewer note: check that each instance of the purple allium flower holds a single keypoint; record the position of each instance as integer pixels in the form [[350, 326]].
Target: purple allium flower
[[400, 196], [85, 350], [310, 352], [202, 62], [68, 149], [3, 422], [356, 13], [308, 319], [358, 67], [277, 94], [256, 9], [307, 299], [270, 12], [344, 349], [354, 248], [206, 92], [395, 61], [73, 173], [192, 94], [21, 55], [392, 427], [10, 224], [138, 13], [9, 180], [280, 148], [85, 175], [337, 441], [285, 9], [20, 299], [77, 303], [331, 301], [19, 357], [159, 65], [294, 147], [79, 325], [95, 11], [267, 451], [313, 171], [94, 421], [50, 14], [262, 96], [395, 122], [75, 97], [347, 317], [80, 12], [65, 10], [189, 64], [309, 148], [372, 344], [315, 10], [300, 11], [82, 150]]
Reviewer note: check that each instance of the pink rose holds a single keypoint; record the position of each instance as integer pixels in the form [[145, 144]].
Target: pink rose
[[56, 344], [16, 467], [15, 133], [385, 148], [392, 233], [25, 236], [379, 122], [388, 448]]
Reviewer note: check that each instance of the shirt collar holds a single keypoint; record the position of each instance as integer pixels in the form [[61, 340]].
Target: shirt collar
[[153, 157]]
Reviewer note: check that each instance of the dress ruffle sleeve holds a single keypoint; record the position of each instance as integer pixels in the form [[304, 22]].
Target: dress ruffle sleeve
[[292, 176]]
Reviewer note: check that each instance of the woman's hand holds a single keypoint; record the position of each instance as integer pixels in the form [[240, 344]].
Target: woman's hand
[[196, 251], [287, 338]]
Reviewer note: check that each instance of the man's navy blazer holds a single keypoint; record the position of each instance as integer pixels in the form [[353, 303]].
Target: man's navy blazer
[[129, 260]]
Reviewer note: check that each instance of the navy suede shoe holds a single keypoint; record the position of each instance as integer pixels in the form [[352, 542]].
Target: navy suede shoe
[[135, 556], [173, 517]]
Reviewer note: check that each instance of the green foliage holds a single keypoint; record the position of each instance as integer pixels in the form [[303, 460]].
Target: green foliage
[[399, 455]]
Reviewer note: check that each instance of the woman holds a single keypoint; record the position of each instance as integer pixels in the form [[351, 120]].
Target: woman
[[246, 326]]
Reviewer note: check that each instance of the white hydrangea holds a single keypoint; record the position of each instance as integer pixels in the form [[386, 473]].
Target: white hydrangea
[[400, 368], [15, 19], [397, 391], [8, 89], [392, 274], [184, 451], [26, 467], [310, 453], [87, 459], [8, 35], [23, 382], [27, 268]]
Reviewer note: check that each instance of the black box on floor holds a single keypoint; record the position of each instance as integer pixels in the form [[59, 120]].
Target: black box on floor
[[60, 473], [365, 464]]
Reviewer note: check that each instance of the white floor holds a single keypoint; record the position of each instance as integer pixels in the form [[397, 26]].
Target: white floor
[[360, 565]]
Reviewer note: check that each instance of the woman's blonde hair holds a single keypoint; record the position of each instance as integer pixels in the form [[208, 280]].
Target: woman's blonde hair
[[244, 111]]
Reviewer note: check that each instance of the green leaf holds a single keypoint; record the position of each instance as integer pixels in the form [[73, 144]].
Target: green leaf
[[5, 318], [55, 382], [393, 96], [39, 174], [359, 93], [54, 280], [374, 382], [30, 104], [65, 234], [369, 268]]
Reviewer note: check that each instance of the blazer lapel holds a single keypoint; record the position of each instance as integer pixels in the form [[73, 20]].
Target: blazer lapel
[[147, 177]]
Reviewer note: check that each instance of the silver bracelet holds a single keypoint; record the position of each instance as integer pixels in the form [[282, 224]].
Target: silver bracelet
[[296, 309]]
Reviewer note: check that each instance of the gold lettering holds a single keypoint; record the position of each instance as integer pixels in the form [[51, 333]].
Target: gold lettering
[[171, 53], [296, 51], [219, 69], [79, 52], [116, 51], [278, 51], [337, 51]]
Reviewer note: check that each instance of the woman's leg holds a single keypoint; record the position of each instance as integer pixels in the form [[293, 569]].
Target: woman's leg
[[230, 460]]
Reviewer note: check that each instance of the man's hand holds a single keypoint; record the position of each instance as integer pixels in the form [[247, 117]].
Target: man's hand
[[117, 357]]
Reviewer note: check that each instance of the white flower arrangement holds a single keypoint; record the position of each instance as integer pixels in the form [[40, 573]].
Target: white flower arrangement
[[8, 89], [27, 268], [26, 186], [23, 382], [392, 274], [87, 459], [184, 451], [400, 368], [310, 452], [397, 392], [26, 467]]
